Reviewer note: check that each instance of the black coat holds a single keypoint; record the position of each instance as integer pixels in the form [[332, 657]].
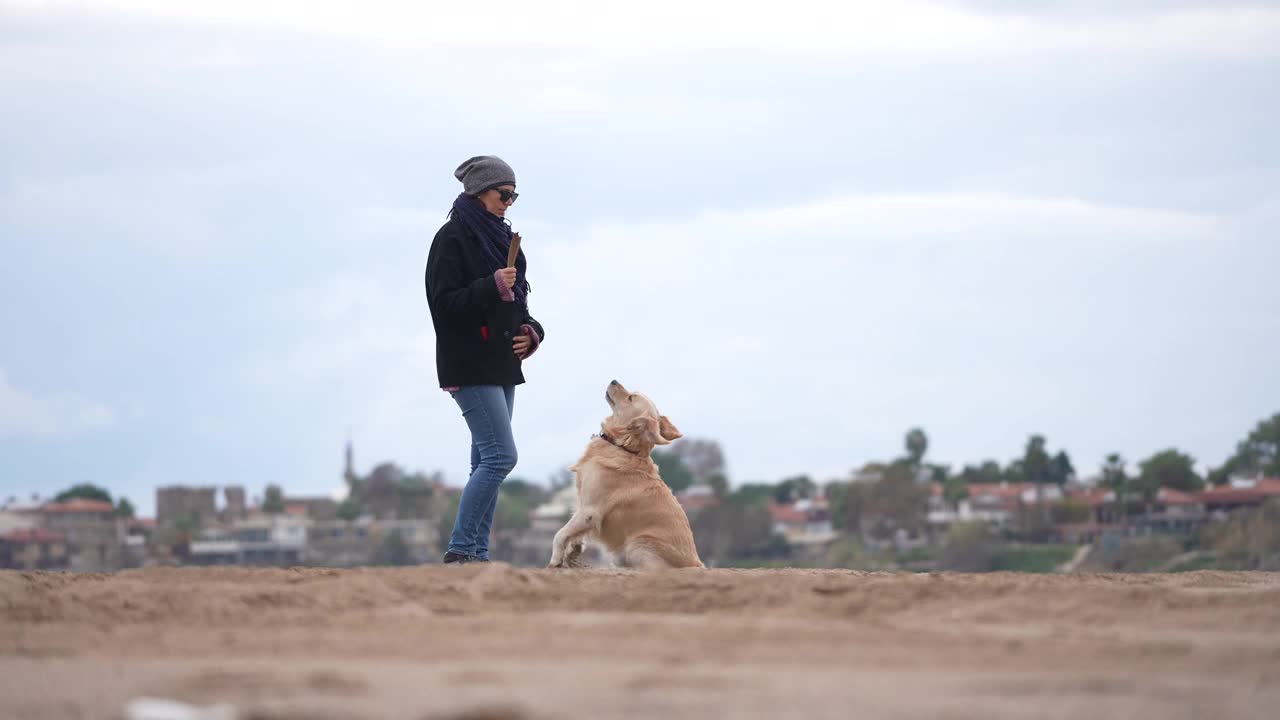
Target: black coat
[[474, 326]]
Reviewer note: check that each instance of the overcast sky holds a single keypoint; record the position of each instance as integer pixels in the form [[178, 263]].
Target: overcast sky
[[802, 228]]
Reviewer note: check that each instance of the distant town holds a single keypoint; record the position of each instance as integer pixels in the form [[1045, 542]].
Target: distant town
[[388, 517], [1035, 514]]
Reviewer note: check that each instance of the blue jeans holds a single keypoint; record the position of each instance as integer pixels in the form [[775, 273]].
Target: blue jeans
[[488, 410]]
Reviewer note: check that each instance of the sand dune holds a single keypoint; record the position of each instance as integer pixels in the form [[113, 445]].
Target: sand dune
[[493, 641]]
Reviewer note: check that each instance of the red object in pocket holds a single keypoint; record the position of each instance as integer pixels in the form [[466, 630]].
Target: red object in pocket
[[484, 333]]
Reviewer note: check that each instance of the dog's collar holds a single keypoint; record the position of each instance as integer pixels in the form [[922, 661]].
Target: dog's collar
[[605, 437]]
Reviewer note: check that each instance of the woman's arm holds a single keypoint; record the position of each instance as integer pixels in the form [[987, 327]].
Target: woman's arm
[[534, 330], [450, 291]]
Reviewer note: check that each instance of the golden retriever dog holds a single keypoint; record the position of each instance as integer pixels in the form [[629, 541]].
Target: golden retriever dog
[[622, 502]]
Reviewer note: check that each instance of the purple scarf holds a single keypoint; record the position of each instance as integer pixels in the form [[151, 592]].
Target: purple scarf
[[495, 239]]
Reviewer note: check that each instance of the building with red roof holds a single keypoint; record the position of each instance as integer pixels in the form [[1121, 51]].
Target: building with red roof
[[805, 522], [1239, 492], [33, 549], [94, 535], [696, 498]]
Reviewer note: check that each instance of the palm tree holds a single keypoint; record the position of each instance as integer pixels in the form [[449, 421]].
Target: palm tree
[[1035, 463], [917, 444], [1115, 477]]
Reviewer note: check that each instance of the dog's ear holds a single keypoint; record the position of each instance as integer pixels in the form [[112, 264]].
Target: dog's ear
[[667, 430], [645, 430]]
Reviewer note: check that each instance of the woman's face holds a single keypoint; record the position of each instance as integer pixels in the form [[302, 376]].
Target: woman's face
[[493, 202]]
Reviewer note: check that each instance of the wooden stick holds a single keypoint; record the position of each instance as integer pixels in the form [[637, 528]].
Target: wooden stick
[[514, 251]]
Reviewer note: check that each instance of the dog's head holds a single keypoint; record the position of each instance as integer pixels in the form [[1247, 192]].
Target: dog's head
[[635, 422]]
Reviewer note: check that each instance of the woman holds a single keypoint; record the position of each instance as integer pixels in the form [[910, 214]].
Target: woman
[[480, 311]]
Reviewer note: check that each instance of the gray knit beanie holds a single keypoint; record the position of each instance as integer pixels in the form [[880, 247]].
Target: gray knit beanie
[[483, 172]]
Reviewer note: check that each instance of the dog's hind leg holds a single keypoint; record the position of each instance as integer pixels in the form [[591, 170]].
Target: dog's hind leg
[[641, 556]]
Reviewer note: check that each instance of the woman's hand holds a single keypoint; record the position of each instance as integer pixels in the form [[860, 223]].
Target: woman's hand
[[508, 276], [521, 345]]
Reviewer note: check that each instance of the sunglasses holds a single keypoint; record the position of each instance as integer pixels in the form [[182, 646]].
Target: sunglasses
[[507, 195]]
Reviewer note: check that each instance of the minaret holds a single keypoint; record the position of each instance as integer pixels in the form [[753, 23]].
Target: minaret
[[349, 474]]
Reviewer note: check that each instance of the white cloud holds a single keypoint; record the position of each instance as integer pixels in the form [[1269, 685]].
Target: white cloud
[[808, 338], [801, 25], [362, 362], [374, 221], [23, 413], [228, 58], [163, 211]]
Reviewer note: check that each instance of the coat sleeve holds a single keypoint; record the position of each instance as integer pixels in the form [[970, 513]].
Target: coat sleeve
[[535, 326], [539, 334], [450, 292], [534, 330]]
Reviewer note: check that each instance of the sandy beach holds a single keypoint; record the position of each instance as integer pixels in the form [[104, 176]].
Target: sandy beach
[[493, 641]]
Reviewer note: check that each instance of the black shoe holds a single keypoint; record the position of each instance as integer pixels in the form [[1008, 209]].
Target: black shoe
[[453, 557]]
